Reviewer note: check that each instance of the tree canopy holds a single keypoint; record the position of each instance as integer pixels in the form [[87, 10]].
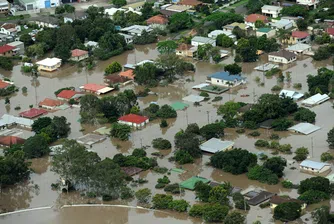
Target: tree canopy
[[287, 211], [180, 21]]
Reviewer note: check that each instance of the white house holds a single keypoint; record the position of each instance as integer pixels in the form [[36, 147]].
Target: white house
[[251, 19], [91, 44], [291, 94], [214, 34], [133, 120], [309, 3], [9, 120], [128, 38], [314, 167], [271, 10], [10, 29], [4, 6], [300, 48], [283, 24], [197, 41], [111, 11], [283, 56], [39, 4], [265, 31], [216, 145], [292, 19], [49, 64], [225, 79], [136, 30], [315, 100]]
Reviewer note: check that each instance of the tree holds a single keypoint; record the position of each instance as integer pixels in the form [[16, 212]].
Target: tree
[[121, 131], [221, 19], [47, 38], [146, 74], [145, 38], [119, 3], [330, 138], [276, 165], [313, 196], [259, 24], [326, 156], [240, 202], [219, 195], [234, 218], [215, 213], [224, 41], [60, 127], [314, 183], [322, 53], [113, 68], [13, 168], [192, 128], [282, 124], [179, 205], [322, 215], [180, 21], [202, 191], [35, 147], [234, 161], [302, 24], [246, 50], [188, 142], [6, 63], [233, 69], [90, 108], [26, 39], [183, 157], [254, 6], [143, 195], [62, 52], [238, 32], [166, 111], [320, 82], [287, 211], [167, 46], [214, 130], [304, 114], [295, 10], [301, 154], [147, 10], [160, 143], [262, 174], [162, 201], [40, 123]]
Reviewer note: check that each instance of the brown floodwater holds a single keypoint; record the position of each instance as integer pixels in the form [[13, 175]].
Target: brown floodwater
[[37, 191]]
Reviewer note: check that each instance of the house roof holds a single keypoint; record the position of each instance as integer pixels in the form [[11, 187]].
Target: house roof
[[131, 171], [298, 47], [226, 76], [67, 94], [313, 164], [252, 18], [113, 79], [300, 34], [330, 31], [127, 74], [6, 48], [133, 118], [316, 99], [92, 87], [279, 200], [134, 5], [304, 128], [8, 26], [193, 98], [32, 113], [158, 19], [49, 61], [215, 145], [11, 140], [281, 23], [78, 53], [167, 12], [190, 2], [291, 94], [50, 102], [178, 8], [3, 84], [205, 40], [7, 119], [137, 29], [191, 182], [284, 54], [271, 7], [264, 30], [260, 197], [235, 24]]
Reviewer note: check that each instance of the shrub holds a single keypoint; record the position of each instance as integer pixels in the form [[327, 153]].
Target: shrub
[[179, 205], [160, 186], [297, 85], [143, 195], [287, 184], [286, 148], [287, 211], [274, 145], [326, 156], [173, 188], [204, 94], [126, 193], [276, 88], [304, 114], [240, 131], [250, 125], [163, 123], [262, 174], [166, 111], [301, 154], [217, 98], [262, 143], [265, 205], [164, 180], [274, 137], [160, 143], [313, 196], [282, 124], [161, 170], [183, 157], [254, 133], [161, 201]]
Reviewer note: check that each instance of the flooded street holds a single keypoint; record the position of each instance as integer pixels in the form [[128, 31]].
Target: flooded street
[[38, 193]]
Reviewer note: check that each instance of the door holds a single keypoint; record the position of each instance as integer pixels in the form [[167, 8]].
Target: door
[[47, 4]]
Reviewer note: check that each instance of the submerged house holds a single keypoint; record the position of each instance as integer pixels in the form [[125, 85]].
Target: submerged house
[[315, 100], [291, 94], [282, 56], [216, 145], [49, 64], [186, 50], [314, 167], [225, 79], [133, 120]]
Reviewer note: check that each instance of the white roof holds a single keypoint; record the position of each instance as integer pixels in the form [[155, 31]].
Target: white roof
[[218, 32], [281, 23], [266, 67], [204, 40], [304, 128], [15, 43], [271, 7], [193, 98], [126, 35], [112, 11], [144, 61], [49, 61], [313, 164], [91, 44], [7, 119], [200, 86], [316, 99], [137, 29], [104, 90], [291, 94], [215, 145], [299, 47]]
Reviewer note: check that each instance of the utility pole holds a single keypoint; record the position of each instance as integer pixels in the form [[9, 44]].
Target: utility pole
[[34, 80], [187, 117], [312, 146], [208, 113]]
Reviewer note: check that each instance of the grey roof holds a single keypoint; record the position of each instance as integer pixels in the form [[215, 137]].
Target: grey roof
[[266, 67], [298, 47], [204, 40], [137, 29], [215, 145], [7, 119], [316, 99], [313, 164], [193, 98], [260, 197], [283, 53], [304, 128]]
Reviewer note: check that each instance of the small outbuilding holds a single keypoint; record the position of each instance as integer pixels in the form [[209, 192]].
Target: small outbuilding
[[33, 113], [79, 55], [291, 94], [315, 100], [49, 64], [314, 167], [134, 120], [216, 145], [304, 128]]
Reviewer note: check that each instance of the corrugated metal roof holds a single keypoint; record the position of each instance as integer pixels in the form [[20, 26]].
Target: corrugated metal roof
[[316, 99], [215, 145], [313, 164], [304, 128]]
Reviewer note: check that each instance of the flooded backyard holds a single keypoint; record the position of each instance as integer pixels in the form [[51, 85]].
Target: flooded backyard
[[37, 191]]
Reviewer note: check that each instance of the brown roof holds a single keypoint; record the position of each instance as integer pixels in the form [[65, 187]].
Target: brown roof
[[190, 2], [158, 19], [183, 47], [167, 13], [11, 140], [9, 26], [283, 53], [252, 18], [50, 102], [113, 79], [130, 171], [279, 200]]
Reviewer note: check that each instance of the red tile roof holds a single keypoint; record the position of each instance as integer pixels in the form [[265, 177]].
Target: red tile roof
[[11, 140], [190, 2], [158, 19], [32, 113], [127, 74], [8, 26], [78, 52], [93, 87], [330, 31], [252, 18], [300, 34], [67, 94], [50, 102], [6, 48], [113, 79], [133, 118], [3, 84]]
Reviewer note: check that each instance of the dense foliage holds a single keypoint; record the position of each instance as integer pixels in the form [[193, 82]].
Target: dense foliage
[[287, 211], [135, 160], [262, 174], [160, 143], [209, 212], [320, 83]]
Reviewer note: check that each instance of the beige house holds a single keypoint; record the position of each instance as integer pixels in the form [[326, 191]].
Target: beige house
[[265, 31], [283, 56], [49, 64], [186, 50], [79, 55], [314, 167]]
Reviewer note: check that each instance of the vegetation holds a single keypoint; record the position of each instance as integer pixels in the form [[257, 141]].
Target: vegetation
[[301, 154], [320, 82], [282, 124], [180, 21], [240, 202], [209, 212], [213, 130], [262, 174], [262, 143], [160, 143], [326, 156], [136, 159], [163, 201], [234, 217], [183, 157], [6, 63], [304, 114], [224, 41], [314, 189], [112, 68], [322, 215], [287, 211], [121, 131], [233, 69], [330, 138], [186, 141], [145, 38]]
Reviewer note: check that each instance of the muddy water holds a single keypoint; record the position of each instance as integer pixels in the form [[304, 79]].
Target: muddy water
[[37, 191]]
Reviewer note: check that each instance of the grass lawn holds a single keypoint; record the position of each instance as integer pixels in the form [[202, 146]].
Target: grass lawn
[[240, 3], [24, 31], [8, 18]]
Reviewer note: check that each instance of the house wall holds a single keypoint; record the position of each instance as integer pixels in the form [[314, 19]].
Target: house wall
[[49, 68], [308, 2], [270, 34], [273, 206], [134, 124], [47, 107], [308, 169], [21, 46], [220, 82], [293, 40], [83, 57], [282, 60], [158, 26], [53, 3], [7, 54], [195, 43], [271, 13]]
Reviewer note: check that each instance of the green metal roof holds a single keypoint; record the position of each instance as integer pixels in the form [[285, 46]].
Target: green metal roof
[[179, 106], [190, 183], [264, 30]]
